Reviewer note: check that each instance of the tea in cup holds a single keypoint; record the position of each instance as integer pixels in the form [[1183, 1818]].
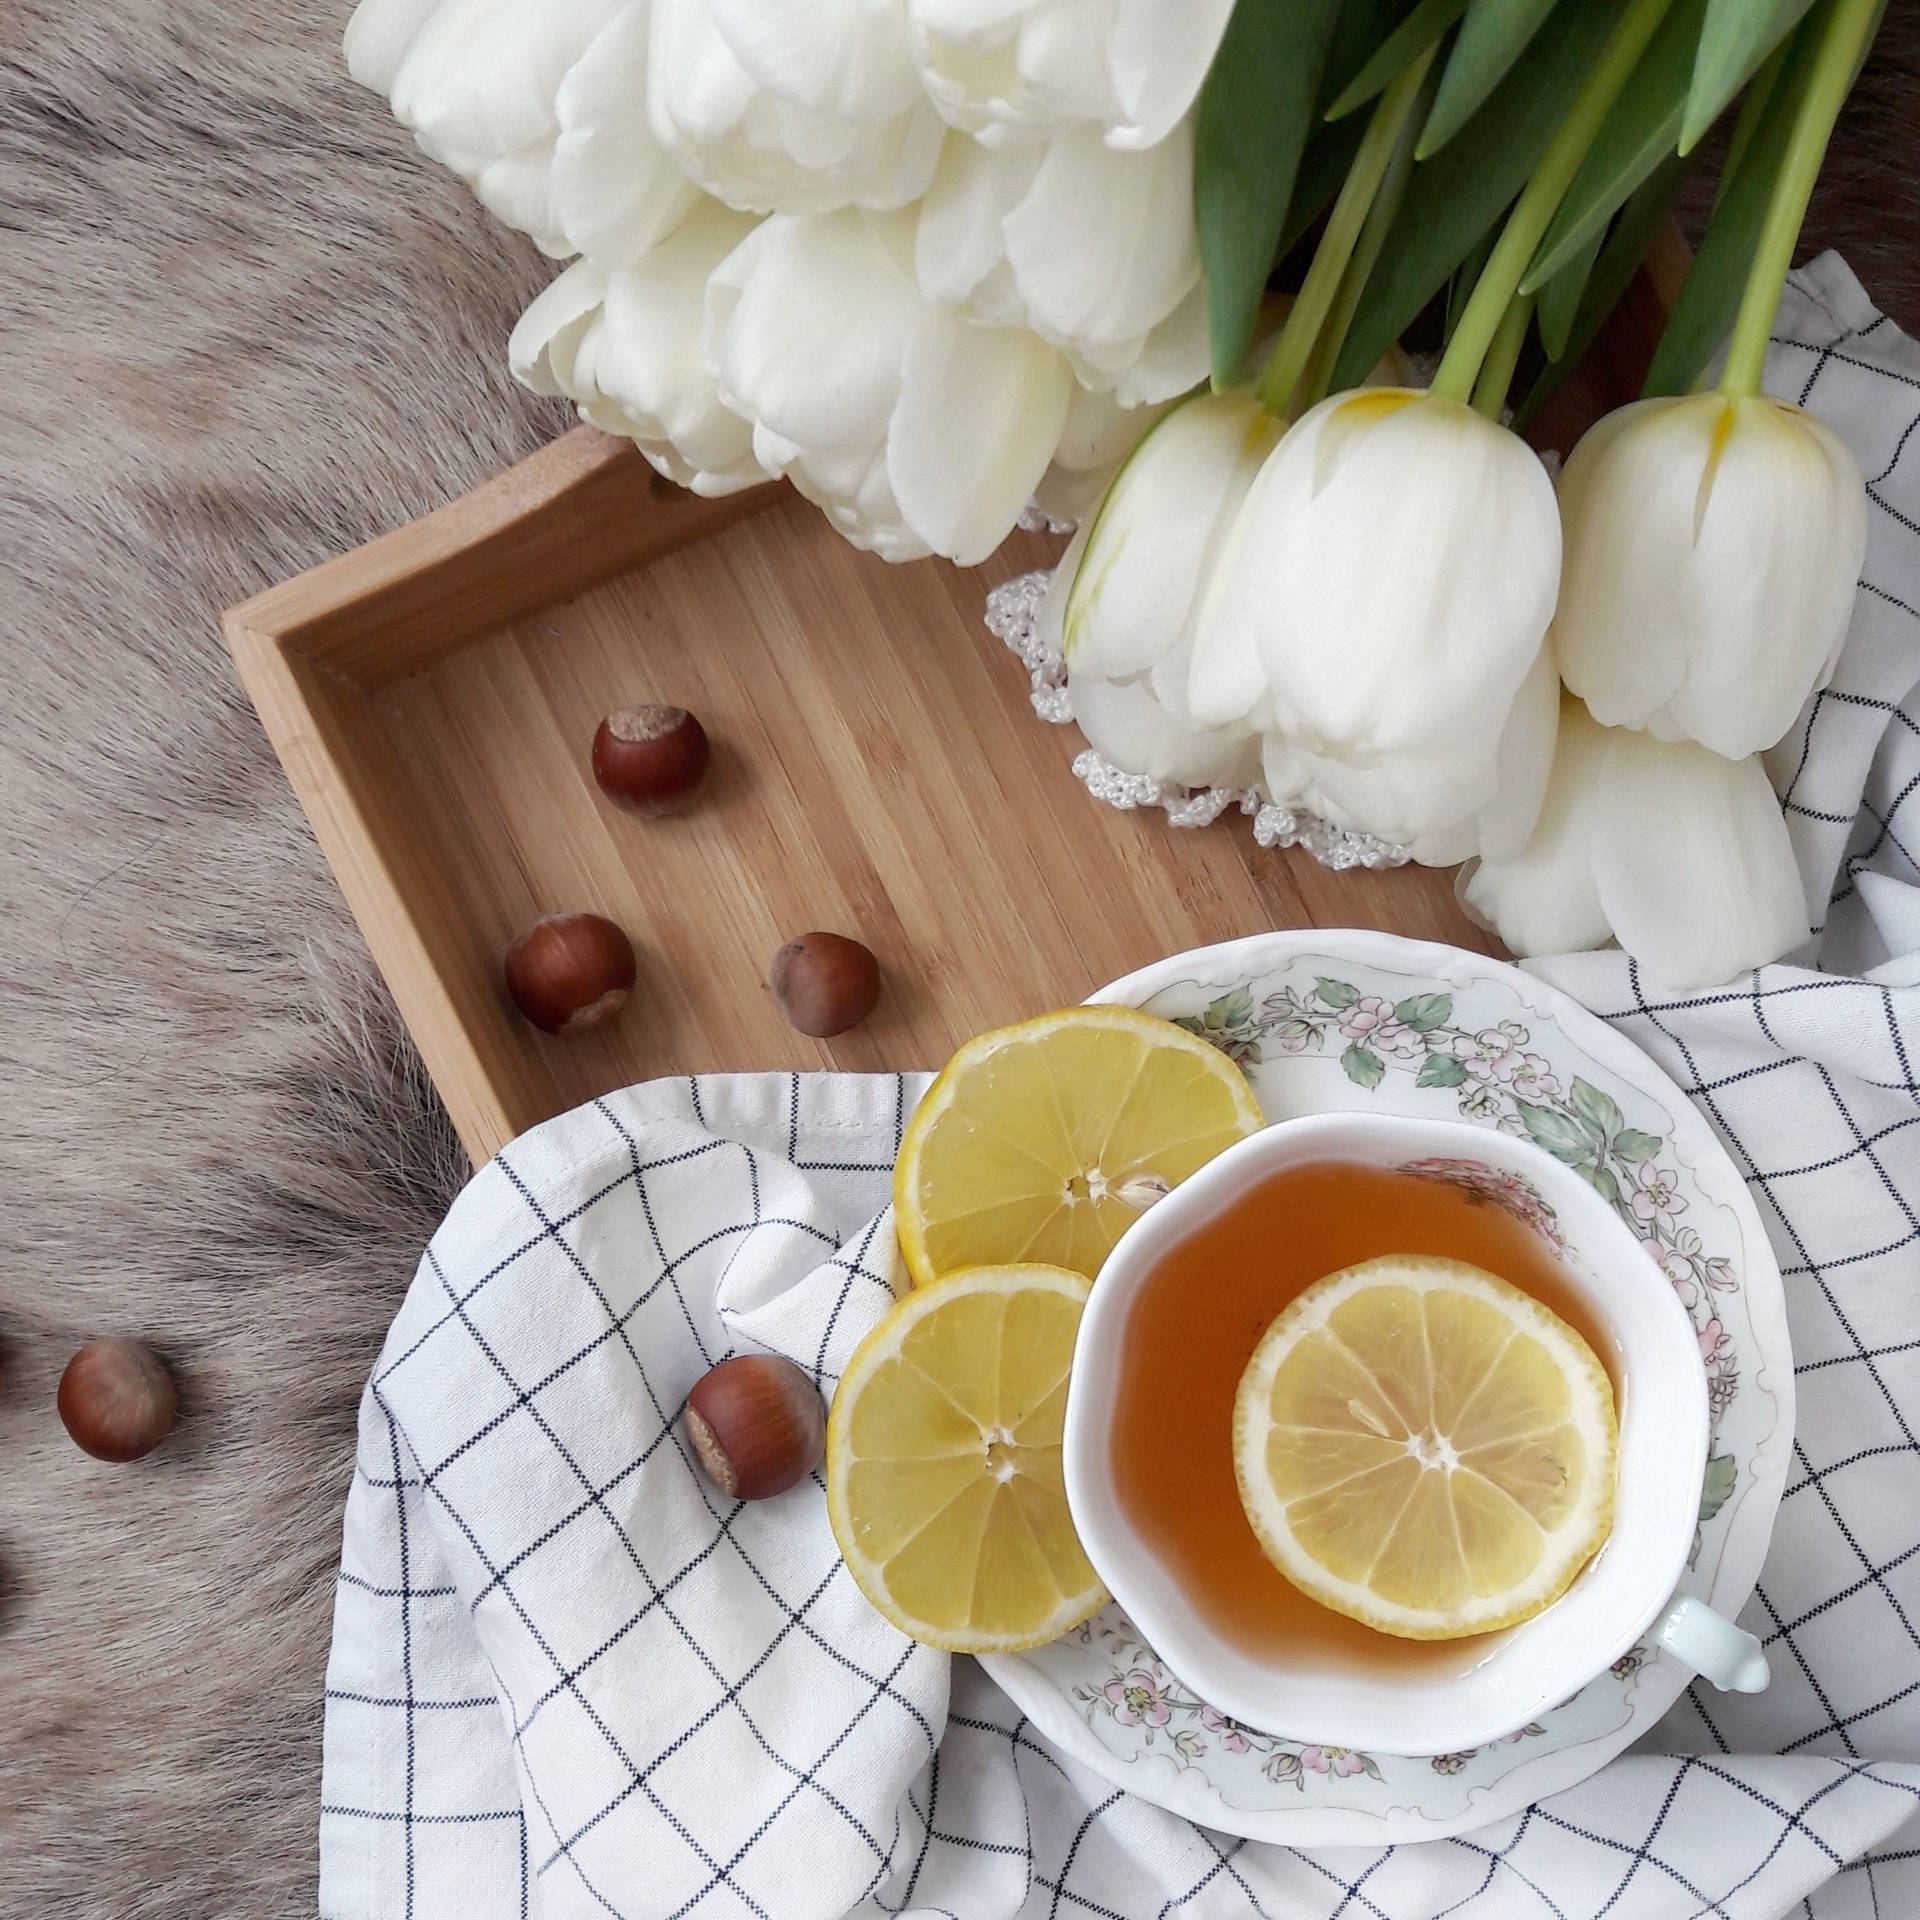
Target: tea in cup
[[1177, 1312]]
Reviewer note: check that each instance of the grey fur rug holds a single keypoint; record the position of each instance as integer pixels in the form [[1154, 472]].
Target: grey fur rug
[[243, 327]]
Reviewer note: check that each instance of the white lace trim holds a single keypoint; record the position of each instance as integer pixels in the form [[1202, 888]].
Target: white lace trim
[[1012, 617]]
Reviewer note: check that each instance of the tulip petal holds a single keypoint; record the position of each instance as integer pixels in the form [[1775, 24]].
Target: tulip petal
[[378, 36], [480, 78], [980, 412], [1713, 547], [1545, 898], [807, 325], [1155, 536], [1161, 53], [542, 346], [1394, 569], [1693, 864], [1128, 728], [1102, 244], [615, 192], [959, 241], [844, 57]]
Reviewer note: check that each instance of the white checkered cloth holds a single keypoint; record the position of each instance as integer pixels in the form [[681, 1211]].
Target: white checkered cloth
[[569, 1678]]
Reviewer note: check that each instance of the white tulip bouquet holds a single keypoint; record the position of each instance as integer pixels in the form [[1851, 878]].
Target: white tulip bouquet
[[932, 260]]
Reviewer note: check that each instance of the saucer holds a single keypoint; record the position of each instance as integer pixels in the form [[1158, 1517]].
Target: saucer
[[1324, 1021]]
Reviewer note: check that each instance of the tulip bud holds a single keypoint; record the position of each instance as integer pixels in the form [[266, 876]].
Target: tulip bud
[[1675, 851], [1713, 547]]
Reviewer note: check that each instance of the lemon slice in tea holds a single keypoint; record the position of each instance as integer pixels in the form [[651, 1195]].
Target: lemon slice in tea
[[1045, 1141], [1422, 1446], [944, 1483]]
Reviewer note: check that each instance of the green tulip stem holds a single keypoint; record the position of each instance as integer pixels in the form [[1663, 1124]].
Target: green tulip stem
[[1533, 212], [1496, 371], [1385, 210], [1345, 223], [1850, 28]]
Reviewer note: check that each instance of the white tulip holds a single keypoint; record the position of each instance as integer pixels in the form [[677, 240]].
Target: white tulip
[[1130, 604], [478, 82], [1679, 853], [1008, 70], [1713, 548], [762, 151], [1093, 249], [624, 346], [915, 429], [1379, 603], [1123, 598]]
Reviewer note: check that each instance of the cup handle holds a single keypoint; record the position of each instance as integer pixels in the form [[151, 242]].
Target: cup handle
[[1727, 1655]]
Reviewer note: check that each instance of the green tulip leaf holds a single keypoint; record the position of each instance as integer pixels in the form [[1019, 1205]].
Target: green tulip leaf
[[1560, 298], [1493, 36], [1710, 297], [1460, 193], [1395, 54], [1619, 260], [1362, 28], [1642, 129], [1249, 135], [1734, 43]]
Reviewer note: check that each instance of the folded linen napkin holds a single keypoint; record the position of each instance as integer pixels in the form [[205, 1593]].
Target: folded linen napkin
[[568, 1678]]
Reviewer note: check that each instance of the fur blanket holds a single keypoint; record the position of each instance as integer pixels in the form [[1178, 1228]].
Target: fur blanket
[[243, 326]]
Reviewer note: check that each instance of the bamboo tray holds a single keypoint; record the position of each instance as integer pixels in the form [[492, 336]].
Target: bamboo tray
[[878, 772]]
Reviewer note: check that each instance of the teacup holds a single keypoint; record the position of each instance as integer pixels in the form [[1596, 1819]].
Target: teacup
[[1625, 1595]]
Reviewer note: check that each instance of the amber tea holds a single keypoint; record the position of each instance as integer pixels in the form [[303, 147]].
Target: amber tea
[[1196, 1318]]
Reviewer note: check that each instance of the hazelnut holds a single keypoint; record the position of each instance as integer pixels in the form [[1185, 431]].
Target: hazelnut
[[117, 1399], [757, 1425], [652, 759], [824, 983], [570, 970]]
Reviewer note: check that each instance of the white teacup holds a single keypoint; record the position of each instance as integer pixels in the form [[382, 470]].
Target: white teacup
[[1625, 1594]]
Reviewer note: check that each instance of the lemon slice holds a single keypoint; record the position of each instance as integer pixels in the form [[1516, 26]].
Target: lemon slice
[[1424, 1447], [944, 1482], [1045, 1141]]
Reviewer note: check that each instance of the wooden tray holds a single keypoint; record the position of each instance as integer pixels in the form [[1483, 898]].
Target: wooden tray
[[878, 772]]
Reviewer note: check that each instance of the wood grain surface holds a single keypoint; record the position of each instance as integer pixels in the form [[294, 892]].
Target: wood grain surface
[[878, 773]]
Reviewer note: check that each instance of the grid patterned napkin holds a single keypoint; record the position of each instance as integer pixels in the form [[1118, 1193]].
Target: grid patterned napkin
[[568, 1678]]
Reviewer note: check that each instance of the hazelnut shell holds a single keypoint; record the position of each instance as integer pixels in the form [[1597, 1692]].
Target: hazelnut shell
[[117, 1399], [652, 760], [757, 1425], [824, 983], [569, 971]]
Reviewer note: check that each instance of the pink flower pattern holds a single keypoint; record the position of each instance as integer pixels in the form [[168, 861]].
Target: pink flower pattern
[[1370, 1023], [1138, 1699]]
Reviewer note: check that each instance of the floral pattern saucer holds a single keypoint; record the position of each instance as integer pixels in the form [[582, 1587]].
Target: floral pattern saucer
[[1347, 1020]]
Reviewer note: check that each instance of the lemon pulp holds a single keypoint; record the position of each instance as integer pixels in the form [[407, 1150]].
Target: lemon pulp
[[1422, 1446], [944, 1480]]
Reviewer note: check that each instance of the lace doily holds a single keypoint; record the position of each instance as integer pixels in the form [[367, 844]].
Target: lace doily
[[1013, 611]]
